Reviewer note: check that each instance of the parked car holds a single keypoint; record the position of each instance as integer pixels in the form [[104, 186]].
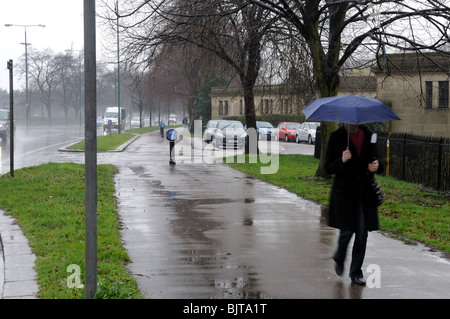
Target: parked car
[[4, 125], [229, 134], [210, 129], [286, 131], [265, 131], [306, 132], [135, 122]]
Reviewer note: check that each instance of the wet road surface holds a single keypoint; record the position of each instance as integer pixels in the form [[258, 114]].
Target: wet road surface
[[37, 145]]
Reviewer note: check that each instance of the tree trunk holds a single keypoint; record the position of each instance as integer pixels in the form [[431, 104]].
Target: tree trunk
[[328, 84], [250, 114], [49, 113]]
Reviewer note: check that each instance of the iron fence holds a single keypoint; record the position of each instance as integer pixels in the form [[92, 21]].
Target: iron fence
[[418, 159]]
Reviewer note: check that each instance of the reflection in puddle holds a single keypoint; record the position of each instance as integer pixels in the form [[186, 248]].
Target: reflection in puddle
[[203, 257], [233, 240], [239, 288]]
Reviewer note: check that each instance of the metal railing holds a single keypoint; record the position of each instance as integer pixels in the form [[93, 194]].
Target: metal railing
[[418, 159]]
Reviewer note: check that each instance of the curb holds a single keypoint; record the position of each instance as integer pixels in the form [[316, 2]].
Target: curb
[[2, 268]]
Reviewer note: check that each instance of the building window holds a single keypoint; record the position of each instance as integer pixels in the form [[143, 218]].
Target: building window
[[286, 106], [428, 94], [268, 106], [443, 94], [223, 107], [241, 107]]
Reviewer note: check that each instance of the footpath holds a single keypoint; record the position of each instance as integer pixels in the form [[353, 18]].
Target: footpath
[[200, 230]]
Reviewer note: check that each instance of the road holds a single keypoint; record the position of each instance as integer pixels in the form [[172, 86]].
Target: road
[[294, 148], [38, 145]]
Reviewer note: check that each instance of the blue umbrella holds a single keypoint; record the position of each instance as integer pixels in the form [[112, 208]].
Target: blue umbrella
[[351, 109]]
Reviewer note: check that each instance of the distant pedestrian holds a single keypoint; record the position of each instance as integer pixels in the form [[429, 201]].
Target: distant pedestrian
[[185, 120], [353, 209]]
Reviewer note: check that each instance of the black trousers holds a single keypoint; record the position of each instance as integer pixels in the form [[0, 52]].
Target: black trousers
[[359, 245]]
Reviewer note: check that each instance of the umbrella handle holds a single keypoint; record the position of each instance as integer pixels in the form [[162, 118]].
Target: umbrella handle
[[348, 139]]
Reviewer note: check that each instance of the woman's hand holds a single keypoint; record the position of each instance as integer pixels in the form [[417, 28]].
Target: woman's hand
[[373, 167], [346, 155]]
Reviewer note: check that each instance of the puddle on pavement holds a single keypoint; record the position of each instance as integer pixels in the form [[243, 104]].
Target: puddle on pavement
[[238, 287], [201, 249], [203, 257]]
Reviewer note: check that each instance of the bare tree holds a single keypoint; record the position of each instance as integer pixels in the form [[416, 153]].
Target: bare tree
[[71, 77], [335, 30], [189, 68], [67, 79], [234, 30], [44, 69], [137, 93]]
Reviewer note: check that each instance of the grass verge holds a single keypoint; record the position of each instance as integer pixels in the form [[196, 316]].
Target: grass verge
[[148, 129], [143, 130], [48, 203], [409, 211], [106, 143], [112, 142]]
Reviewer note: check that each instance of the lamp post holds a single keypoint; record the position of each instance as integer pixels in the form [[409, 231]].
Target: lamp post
[[26, 60], [118, 67]]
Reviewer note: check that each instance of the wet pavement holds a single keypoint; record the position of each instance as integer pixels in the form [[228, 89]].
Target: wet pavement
[[201, 230]]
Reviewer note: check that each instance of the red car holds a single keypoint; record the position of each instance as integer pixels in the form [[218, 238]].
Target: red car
[[286, 131]]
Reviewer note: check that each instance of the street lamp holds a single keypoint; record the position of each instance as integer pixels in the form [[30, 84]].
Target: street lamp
[[118, 68], [26, 60]]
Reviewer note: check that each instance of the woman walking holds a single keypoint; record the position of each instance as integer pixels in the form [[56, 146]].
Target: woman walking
[[352, 159]]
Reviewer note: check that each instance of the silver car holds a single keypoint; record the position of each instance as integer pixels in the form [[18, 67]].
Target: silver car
[[229, 134], [306, 132], [136, 122], [210, 130]]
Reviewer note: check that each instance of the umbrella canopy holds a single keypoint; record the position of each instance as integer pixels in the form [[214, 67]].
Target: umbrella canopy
[[351, 109]]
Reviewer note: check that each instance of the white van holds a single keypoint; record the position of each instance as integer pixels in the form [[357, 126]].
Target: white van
[[172, 119], [111, 114]]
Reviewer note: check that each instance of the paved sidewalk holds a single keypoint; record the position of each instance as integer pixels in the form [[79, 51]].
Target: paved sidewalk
[[17, 276], [204, 230]]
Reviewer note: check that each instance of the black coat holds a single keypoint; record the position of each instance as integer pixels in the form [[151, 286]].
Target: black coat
[[351, 181]]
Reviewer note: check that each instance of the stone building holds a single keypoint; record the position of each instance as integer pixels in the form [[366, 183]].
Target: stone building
[[416, 87], [280, 99]]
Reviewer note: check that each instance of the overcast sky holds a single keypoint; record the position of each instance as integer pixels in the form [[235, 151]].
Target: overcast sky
[[63, 31]]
